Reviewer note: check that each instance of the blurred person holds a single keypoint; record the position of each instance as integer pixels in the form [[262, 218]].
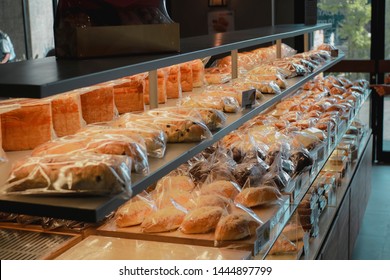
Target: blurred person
[[7, 53]]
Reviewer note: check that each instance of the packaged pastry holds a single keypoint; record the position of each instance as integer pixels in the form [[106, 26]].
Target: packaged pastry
[[236, 226], [224, 188], [177, 128], [202, 220], [197, 73], [173, 197], [217, 75], [87, 174], [213, 200], [133, 212], [186, 77], [220, 91], [278, 79], [115, 144], [283, 245], [129, 94], [175, 182], [28, 126], [163, 220], [66, 113], [173, 85], [155, 139], [244, 60], [212, 118], [161, 88], [97, 103], [223, 103], [255, 196], [265, 86]]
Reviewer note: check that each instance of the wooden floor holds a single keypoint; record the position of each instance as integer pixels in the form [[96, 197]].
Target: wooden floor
[[373, 242]]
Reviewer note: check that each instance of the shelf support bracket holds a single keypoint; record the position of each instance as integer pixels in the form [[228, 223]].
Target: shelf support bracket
[[153, 89], [279, 48], [234, 56]]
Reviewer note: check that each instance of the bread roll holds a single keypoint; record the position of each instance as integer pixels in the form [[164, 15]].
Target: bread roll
[[224, 188], [256, 196], [163, 220], [202, 220], [132, 213], [213, 200]]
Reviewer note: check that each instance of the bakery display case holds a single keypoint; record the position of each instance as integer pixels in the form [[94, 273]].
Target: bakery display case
[[175, 150]]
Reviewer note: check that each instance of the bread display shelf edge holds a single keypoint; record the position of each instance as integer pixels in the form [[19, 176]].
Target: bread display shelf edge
[[48, 76], [95, 209]]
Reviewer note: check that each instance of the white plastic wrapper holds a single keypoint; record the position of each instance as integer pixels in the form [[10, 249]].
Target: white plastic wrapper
[[75, 175]]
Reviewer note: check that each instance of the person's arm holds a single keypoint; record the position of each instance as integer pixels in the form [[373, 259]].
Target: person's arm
[[6, 58]]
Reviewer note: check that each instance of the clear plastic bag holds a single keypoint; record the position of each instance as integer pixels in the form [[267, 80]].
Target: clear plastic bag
[[177, 128], [75, 175], [202, 219], [223, 103], [217, 75], [257, 196], [112, 144]]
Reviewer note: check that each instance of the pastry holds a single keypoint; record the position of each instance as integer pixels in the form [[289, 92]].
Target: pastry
[[250, 197], [179, 182], [201, 220], [133, 213], [227, 189], [235, 226], [163, 220]]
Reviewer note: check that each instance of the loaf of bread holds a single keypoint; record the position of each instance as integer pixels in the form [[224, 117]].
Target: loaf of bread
[[133, 213], [221, 103], [256, 196], [186, 78], [155, 139], [177, 129], [115, 144], [87, 174], [197, 73], [226, 189], [129, 94], [163, 220], [161, 88], [28, 126], [66, 113], [202, 219], [235, 226], [97, 103], [173, 82]]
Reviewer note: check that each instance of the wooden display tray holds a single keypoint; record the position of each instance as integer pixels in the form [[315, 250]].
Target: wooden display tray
[[269, 215]]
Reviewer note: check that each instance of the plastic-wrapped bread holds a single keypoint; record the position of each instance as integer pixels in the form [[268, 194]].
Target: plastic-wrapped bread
[[186, 78], [213, 200], [197, 73], [28, 126], [251, 197], [212, 118], [177, 128], [133, 212], [174, 182], [5, 109], [163, 220], [173, 85], [155, 139], [129, 94], [278, 79], [202, 220], [235, 226], [115, 144], [283, 246], [66, 113], [224, 188], [97, 103], [88, 174], [217, 75], [223, 103], [161, 88]]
